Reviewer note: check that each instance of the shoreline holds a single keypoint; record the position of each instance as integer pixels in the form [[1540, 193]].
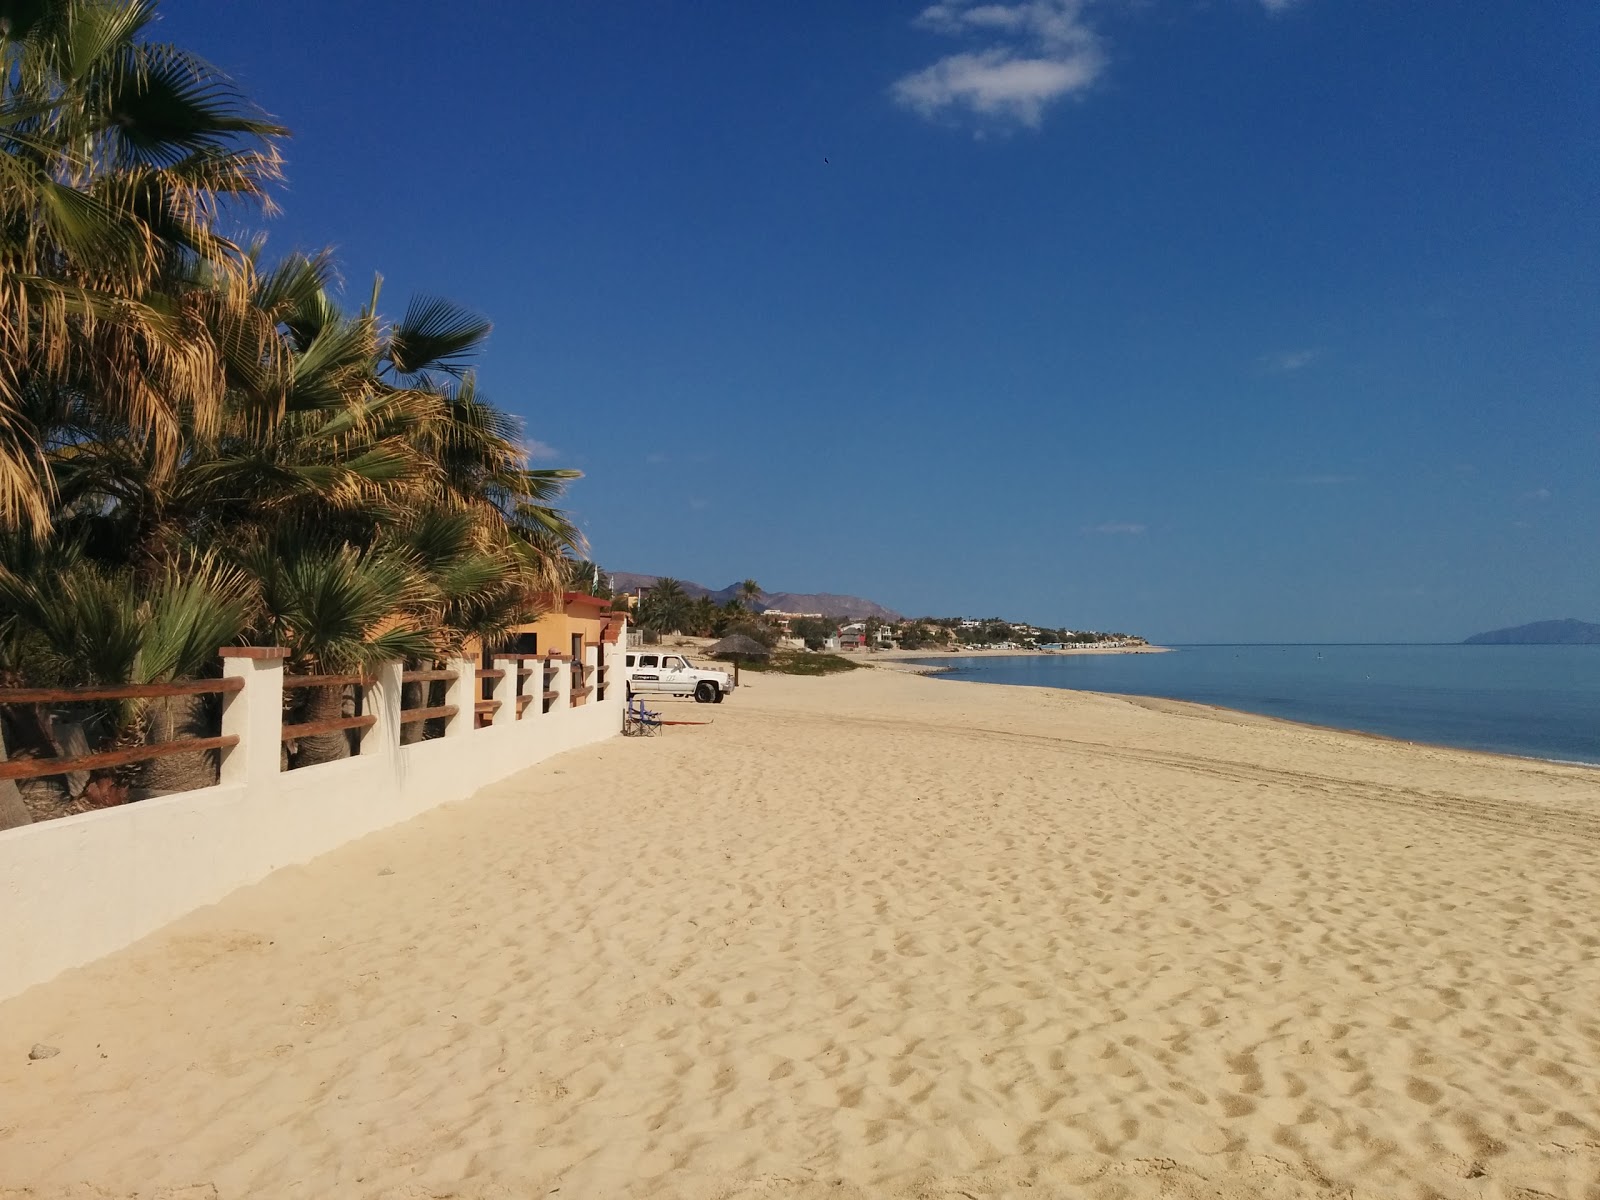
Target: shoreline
[[922, 662], [935, 671]]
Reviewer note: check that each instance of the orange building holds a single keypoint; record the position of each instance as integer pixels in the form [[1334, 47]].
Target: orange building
[[580, 628], [579, 620]]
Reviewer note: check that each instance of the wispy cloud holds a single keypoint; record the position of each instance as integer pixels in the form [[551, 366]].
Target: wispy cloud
[[1038, 51], [1324, 480], [1023, 56], [1285, 361], [538, 451], [1114, 528], [699, 503], [1537, 496], [655, 456]]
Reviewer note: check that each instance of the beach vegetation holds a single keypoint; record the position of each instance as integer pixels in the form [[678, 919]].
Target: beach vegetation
[[815, 632], [666, 607], [201, 447], [588, 577], [802, 662]]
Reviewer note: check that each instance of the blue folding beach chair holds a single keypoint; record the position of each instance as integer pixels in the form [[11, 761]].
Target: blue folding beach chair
[[639, 721]]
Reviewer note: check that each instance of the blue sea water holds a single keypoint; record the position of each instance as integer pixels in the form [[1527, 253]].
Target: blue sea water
[[1534, 701]]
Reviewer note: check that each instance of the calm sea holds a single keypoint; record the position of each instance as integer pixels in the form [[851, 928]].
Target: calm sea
[[1536, 701]]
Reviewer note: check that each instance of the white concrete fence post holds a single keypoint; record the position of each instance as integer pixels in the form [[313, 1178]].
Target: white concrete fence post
[[563, 684], [381, 699], [463, 693], [532, 686], [253, 714], [505, 691]]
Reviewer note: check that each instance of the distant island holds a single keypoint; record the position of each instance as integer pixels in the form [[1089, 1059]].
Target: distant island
[[1541, 633]]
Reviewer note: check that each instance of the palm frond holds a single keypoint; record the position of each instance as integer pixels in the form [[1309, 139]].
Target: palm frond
[[435, 335]]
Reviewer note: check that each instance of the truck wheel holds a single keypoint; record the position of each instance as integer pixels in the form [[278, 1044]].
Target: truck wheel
[[705, 692], [721, 696]]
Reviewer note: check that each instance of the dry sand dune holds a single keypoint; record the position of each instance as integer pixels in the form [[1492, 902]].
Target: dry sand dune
[[873, 936]]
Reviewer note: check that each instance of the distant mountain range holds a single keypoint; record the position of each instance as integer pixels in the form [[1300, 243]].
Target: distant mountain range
[[1541, 633], [829, 605]]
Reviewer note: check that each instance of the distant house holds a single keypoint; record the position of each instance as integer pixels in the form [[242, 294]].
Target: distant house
[[854, 636], [784, 620]]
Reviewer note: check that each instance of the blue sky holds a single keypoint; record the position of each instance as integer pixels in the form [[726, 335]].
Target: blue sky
[[1206, 319]]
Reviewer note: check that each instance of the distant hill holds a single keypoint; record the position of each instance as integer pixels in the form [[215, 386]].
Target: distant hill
[[1541, 633], [826, 603]]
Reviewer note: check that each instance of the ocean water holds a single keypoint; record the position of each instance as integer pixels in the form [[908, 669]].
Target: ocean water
[[1534, 701]]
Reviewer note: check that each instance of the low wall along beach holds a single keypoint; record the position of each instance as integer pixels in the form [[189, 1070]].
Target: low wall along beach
[[74, 889]]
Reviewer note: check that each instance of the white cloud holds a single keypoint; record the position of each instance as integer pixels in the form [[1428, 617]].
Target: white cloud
[[1041, 51], [1112, 528], [1029, 54], [538, 451], [1324, 480], [1538, 495], [1286, 361]]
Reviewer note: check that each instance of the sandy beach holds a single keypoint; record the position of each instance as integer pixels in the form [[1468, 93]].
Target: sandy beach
[[872, 935]]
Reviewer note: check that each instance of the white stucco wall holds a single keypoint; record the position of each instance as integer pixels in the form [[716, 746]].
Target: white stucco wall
[[74, 889]]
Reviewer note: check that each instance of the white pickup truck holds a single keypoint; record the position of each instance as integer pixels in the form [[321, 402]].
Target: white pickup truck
[[657, 673]]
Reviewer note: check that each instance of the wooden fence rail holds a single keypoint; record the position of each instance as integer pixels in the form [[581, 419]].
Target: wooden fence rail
[[546, 667], [409, 716], [34, 768], [117, 691], [290, 682], [331, 725]]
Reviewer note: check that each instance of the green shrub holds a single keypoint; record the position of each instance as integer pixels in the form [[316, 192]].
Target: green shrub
[[795, 662]]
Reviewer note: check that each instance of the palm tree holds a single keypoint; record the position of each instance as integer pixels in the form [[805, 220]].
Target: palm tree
[[116, 155], [703, 616], [750, 594], [76, 621], [665, 607], [587, 577], [338, 611], [172, 409]]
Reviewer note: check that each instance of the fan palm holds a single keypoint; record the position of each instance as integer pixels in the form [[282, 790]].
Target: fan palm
[[76, 621], [116, 154], [338, 610], [665, 607], [703, 616], [168, 404]]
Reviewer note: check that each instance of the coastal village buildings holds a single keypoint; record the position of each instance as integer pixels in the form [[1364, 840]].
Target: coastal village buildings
[[784, 620], [855, 636]]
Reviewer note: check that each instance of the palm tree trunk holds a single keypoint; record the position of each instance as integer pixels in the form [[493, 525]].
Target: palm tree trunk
[[13, 812], [168, 720], [412, 696], [324, 704]]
